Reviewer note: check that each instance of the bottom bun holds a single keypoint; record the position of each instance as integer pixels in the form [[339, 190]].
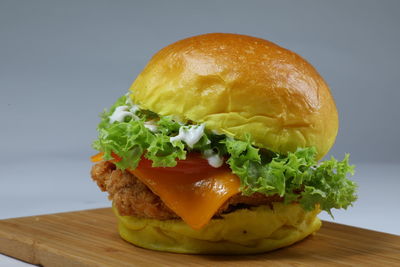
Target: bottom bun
[[244, 231]]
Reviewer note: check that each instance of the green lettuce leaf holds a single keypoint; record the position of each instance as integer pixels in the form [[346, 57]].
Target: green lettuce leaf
[[297, 176], [163, 153]]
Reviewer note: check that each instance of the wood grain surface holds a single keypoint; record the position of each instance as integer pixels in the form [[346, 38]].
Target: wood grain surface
[[90, 238]]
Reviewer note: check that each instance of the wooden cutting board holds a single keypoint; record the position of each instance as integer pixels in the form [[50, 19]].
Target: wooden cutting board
[[90, 238]]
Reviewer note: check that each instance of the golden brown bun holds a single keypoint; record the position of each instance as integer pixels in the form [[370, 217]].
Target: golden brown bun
[[238, 84], [246, 231]]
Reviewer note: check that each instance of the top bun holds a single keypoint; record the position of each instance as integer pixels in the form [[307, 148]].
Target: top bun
[[238, 84]]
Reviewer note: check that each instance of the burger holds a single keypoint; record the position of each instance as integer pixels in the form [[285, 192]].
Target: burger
[[215, 149]]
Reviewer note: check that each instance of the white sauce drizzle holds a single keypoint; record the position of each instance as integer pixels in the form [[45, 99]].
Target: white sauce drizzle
[[128, 100], [120, 113], [134, 108], [213, 158], [151, 126], [189, 134]]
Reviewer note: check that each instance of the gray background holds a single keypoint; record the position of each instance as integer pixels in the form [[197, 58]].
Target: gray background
[[62, 62]]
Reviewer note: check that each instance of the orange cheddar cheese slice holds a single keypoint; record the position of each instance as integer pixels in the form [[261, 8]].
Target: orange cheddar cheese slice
[[195, 197]]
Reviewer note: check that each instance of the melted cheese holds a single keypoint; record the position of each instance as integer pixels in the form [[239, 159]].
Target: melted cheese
[[193, 197]]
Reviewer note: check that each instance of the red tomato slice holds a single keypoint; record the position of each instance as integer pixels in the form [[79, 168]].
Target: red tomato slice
[[194, 163], [116, 157]]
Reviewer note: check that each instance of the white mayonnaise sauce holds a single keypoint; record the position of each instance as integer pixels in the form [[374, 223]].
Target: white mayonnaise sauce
[[189, 134], [151, 125], [128, 100], [213, 158], [120, 113], [134, 108]]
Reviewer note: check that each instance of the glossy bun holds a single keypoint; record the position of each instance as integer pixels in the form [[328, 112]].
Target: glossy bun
[[238, 84], [245, 231]]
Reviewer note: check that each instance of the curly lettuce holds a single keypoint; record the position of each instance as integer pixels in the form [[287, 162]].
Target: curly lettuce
[[130, 140], [296, 176]]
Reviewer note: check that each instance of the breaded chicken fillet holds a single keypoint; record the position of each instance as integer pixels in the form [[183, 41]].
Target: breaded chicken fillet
[[133, 198]]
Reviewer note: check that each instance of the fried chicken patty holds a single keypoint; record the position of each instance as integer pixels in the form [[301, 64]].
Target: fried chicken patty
[[133, 198]]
